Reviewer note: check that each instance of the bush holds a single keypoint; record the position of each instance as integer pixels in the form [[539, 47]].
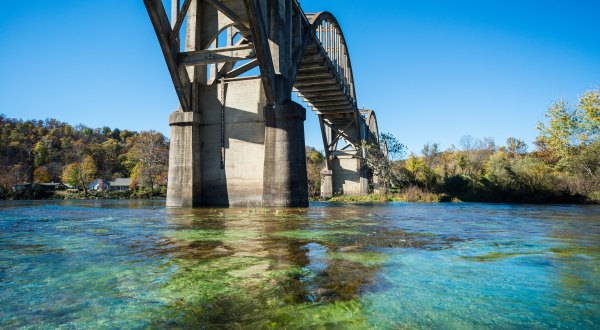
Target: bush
[[417, 194]]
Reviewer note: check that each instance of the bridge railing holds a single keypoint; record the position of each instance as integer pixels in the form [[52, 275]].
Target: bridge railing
[[329, 34]]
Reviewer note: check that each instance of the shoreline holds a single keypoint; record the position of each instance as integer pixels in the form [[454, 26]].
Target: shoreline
[[349, 199], [443, 198]]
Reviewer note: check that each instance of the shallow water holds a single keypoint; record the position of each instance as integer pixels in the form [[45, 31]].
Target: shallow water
[[136, 264]]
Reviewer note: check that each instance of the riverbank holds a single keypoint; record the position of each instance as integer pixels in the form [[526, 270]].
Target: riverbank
[[64, 195], [411, 195], [416, 195], [424, 197]]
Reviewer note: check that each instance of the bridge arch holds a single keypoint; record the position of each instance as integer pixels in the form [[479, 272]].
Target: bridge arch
[[372, 130], [327, 30]]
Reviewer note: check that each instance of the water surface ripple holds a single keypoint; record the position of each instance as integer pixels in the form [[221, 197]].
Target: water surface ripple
[[137, 264]]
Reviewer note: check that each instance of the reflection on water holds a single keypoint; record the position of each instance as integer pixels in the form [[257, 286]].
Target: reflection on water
[[123, 264]]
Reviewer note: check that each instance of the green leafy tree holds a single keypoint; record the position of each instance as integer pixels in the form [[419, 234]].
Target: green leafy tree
[[80, 173], [314, 164], [70, 174], [380, 158], [41, 153], [588, 117], [558, 135], [569, 129]]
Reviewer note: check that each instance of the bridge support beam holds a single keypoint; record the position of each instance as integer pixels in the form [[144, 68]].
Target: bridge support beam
[[243, 153], [348, 176], [326, 183], [285, 181], [183, 188]]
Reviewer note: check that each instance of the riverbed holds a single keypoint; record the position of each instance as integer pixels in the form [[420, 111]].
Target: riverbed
[[137, 264]]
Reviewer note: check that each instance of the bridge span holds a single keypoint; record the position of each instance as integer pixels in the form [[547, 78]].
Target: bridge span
[[237, 138]]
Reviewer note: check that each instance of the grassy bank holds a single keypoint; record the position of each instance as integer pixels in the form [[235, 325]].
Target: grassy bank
[[59, 195], [416, 194]]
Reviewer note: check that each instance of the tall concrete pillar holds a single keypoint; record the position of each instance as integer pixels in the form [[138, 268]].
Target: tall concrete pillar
[[349, 175], [326, 183], [364, 180], [184, 179], [232, 140], [285, 181]]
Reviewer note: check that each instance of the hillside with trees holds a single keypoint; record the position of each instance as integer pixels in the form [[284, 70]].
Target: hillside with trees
[[53, 151], [563, 167]]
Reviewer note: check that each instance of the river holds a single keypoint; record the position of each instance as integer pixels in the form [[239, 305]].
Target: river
[[137, 264]]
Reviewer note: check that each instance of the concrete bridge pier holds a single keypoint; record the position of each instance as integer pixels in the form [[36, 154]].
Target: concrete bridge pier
[[184, 156], [285, 183], [326, 183], [347, 176], [237, 151]]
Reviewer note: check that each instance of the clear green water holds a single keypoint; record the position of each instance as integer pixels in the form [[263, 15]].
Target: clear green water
[[123, 264]]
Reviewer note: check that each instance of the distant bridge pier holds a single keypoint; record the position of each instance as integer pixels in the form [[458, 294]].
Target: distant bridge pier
[[345, 172], [350, 176], [347, 176]]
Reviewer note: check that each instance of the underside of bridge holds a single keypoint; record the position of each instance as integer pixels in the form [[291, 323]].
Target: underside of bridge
[[237, 138]]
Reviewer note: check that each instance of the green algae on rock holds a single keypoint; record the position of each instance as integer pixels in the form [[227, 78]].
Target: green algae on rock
[[363, 258]]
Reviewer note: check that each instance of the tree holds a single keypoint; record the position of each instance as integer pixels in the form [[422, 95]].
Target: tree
[[88, 171], [70, 174], [559, 133], [13, 175], [42, 174], [569, 130], [80, 173], [150, 153], [588, 116], [414, 165], [516, 146], [379, 158], [430, 153], [393, 148], [468, 142], [488, 144], [314, 164], [586, 166], [40, 152]]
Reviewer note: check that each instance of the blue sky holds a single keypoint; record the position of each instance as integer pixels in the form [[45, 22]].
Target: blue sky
[[433, 70]]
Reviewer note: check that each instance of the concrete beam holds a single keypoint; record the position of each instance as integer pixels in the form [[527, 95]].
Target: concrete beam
[[240, 23], [242, 69], [218, 55]]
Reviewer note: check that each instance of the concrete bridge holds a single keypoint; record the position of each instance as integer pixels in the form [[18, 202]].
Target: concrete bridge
[[238, 138]]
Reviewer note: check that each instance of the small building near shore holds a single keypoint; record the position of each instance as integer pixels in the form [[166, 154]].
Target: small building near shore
[[120, 184], [21, 186], [50, 186], [99, 185]]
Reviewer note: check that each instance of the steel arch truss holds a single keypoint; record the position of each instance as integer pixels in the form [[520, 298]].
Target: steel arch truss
[[306, 53]]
